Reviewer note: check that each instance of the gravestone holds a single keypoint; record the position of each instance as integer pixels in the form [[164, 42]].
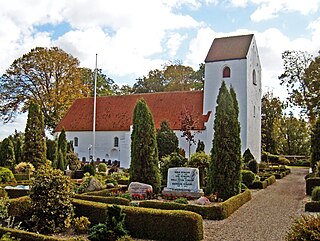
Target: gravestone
[[183, 181], [139, 188]]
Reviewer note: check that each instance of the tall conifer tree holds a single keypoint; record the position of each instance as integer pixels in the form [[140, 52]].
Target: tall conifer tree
[[62, 150], [7, 157], [144, 151], [167, 140], [35, 141], [315, 144], [225, 167]]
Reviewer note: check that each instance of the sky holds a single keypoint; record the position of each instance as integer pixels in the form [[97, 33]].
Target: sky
[[133, 37]]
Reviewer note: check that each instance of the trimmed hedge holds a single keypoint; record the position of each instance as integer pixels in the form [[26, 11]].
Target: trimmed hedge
[[28, 236], [311, 183], [109, 200], [216, 212], [22, 177], [313, 206], [104, 192], [263, 184], [148, 223], [19, 206], [16, 193]]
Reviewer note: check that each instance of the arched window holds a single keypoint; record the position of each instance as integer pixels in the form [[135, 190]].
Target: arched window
[[254, 77], [76, 141], [226, 72], [116, 142]]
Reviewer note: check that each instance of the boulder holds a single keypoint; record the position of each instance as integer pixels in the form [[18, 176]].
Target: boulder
[[139, 188], [202, 201], [94, 185]]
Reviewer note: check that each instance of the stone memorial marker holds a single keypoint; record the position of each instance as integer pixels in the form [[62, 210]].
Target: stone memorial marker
[[139, 188], [183, 181]]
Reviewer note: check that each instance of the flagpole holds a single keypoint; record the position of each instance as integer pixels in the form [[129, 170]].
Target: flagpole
[[94, 109]]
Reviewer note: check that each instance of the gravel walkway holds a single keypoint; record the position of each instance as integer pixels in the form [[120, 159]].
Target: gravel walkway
[[267, 216]]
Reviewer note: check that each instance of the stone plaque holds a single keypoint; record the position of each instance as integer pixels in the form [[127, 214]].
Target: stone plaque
[[183, 179]]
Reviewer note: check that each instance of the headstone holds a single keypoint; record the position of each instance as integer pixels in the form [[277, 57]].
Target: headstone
[[139, 188], [183, 181]]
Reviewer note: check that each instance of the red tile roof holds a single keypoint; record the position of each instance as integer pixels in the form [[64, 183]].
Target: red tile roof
[[228, 48], [114, 113]]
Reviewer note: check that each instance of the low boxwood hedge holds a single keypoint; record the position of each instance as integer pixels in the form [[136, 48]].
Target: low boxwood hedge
[[148, 223], [104, 192], [263, 184], [110, 200], [15, 193], [313, 206], [28, 236], [216, 212], [311, 183]]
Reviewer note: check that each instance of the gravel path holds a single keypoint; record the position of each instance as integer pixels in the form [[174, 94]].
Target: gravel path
[[267, 216]]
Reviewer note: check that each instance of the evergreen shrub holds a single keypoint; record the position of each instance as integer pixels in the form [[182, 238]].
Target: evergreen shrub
[[305, 228], [6, 175], [253, 166], [248, 177], [81, 224], [315, 195], [311, 183], [102, 167], [313, 206], [89, 168]]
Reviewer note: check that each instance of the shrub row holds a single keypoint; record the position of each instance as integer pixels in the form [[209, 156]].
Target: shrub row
[[109, 200], [104, 192], [216, 212], [263, 184], [311, 183], [28, 236], [15, 193], [148, 223], [312, 206], [22, 177]]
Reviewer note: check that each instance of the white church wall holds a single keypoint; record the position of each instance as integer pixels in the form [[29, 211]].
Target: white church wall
[[105, 146], [254, 102], [213, 80]]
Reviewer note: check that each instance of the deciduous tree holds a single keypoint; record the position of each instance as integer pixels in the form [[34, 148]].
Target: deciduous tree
[[49, 77], [301, 76]]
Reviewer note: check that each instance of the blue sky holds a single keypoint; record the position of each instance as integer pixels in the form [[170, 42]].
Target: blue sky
[[134, 37]]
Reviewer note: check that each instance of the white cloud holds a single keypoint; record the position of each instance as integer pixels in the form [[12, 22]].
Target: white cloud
[[269, 9], [174, 43]]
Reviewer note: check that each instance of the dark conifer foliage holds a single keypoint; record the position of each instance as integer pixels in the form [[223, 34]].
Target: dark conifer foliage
[[35, 140], [144, 165], [225, 167], [167, 140], [315, 144]]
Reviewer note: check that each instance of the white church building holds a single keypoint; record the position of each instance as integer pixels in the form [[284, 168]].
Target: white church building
[[234, 60]]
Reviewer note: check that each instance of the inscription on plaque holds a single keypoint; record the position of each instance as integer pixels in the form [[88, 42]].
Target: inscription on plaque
[[183, 178]]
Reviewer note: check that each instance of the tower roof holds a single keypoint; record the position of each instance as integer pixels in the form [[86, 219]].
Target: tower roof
[[228, 48]]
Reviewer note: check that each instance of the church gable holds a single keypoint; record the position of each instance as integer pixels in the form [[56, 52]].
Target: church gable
[[114, 113]]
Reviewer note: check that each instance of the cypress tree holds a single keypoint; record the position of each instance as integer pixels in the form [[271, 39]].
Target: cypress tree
[[144, 165], [167, 140], [62, 147], [35, 141], [52, 149], [247, 156], [60, 161], [315, 144], [200, 146], [18, 150], [225, 167], [7, 158]]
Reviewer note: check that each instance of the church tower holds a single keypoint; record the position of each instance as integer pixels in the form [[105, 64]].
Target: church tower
[[235, 60]]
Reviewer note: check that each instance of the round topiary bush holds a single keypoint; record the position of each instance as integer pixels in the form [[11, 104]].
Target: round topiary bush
[[248, 177], [24, 168], [102, 167], [89, 168], [6, 175], [305, 228], [315, 195]]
